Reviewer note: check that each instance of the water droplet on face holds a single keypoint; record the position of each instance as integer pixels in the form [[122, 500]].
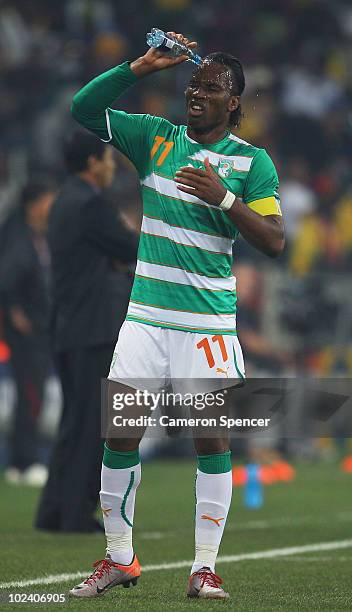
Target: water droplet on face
[[212, 71], [226, 79]]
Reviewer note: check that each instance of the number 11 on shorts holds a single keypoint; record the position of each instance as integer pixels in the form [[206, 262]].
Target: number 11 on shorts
[[205, 345]]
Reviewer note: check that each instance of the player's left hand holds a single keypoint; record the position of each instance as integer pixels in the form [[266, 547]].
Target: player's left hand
[[204, 184]]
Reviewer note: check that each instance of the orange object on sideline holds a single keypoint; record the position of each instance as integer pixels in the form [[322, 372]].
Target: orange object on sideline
[[267, 474], [5, 352], [284, 471], [346, 465], [239, 476]]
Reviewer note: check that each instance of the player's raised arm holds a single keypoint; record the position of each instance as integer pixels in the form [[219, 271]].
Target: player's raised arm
[[128, 133], [90, 103]]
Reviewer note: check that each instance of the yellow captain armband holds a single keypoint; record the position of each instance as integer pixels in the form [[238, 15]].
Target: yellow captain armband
[[266, 206]]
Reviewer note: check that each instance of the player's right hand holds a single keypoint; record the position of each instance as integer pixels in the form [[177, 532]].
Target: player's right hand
[[155, 60]]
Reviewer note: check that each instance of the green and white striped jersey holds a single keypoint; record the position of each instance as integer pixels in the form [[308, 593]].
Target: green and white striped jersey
[[183, 278]]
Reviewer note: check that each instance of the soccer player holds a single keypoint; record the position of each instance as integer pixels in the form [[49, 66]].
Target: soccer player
[[201, 186]]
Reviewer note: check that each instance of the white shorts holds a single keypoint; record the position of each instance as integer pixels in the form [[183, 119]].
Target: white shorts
[[167, 357]]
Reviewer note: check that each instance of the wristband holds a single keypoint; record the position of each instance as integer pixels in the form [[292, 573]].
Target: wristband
[[228, 201]]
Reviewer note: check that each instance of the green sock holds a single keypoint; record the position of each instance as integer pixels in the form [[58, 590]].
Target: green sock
[[215, 464], [118, 460]]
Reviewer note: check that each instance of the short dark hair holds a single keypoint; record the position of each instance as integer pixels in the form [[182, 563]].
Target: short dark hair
[[78, 149], [34, 190], [231, 62]]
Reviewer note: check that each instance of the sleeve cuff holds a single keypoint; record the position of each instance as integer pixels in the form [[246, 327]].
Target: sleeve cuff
[[129, 73]]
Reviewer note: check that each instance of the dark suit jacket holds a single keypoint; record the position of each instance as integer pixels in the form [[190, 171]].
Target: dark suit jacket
[[85, 237]]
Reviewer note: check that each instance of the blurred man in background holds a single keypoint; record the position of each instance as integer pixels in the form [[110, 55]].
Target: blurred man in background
[[262, 356], [24, 279], [91, 287]]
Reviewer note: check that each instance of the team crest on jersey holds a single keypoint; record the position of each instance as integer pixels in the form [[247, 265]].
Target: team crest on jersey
[[225, 168]]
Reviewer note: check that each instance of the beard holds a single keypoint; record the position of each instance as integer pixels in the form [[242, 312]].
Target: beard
[[201, 128]]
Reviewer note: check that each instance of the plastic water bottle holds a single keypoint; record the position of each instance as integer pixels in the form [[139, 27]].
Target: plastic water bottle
[[253, 492], [165, 42]]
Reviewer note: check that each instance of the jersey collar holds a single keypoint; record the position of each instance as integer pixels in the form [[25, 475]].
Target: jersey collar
[[202, 144]]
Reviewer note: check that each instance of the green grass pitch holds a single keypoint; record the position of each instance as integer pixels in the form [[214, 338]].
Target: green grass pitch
[[315, 508]]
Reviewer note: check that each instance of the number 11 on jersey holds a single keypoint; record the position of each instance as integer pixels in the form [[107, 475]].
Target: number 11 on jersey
[[167, 146]]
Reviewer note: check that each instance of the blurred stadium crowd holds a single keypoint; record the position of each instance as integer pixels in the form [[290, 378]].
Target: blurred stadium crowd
[[297, 104]]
